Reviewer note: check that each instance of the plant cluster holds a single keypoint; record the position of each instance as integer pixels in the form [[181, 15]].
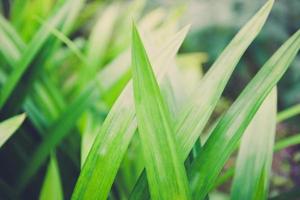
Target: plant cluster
[[119, 115]]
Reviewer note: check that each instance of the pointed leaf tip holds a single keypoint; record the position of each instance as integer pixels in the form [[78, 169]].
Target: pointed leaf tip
[[9, 126], [155, 130], [134, 30]]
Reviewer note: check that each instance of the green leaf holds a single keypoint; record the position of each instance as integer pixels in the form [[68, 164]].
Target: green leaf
[[90, 129], [8, 48], [98, 42], [100, 36], [57, 132], [182, 79], [203, 100], [122, 31], [194, 115], [279, 145], [23, 64], [40, 48], [229, 129], [45, 104], [52, 187], [63, 38], [255, 155], [44, 89], [111, 142], [165, 169], [287, 142], [11, 33], [9, 126], [288, 113]]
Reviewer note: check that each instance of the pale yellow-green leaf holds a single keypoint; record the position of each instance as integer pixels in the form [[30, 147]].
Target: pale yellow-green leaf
[[255, 154], [9, 126]]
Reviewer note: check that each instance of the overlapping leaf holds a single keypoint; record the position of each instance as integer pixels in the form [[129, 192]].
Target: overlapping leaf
[[27, 57], [58, 132], [115, 135], [193, 117], [229, 129], [255, 153], [164, 167]]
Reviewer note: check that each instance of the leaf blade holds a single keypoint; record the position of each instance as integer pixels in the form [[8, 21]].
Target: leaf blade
[[23, 64], [195, 114], [255, 155], [52, 188], [58, 132], [9, 126], [225, 136], [164, 167], [111, 143]]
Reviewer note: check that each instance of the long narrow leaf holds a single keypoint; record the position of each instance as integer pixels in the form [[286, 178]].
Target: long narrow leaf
[[57, 132], [279, 145], [255, 154], [288, 113], [225, 136], [111, 143], [11, 32], [287, 142], [52, 187], [32, 49], [164, 167], [193, 117]]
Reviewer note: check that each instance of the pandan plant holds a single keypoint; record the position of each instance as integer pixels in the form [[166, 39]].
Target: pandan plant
[[119, 115]]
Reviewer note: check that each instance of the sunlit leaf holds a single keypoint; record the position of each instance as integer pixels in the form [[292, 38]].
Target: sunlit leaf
[[229, 129], [9, 126], [164, 167], [193, 116], [255, 154], [52, 188], [112, 141]]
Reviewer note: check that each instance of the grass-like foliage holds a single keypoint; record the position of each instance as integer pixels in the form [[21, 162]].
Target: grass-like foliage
[[9, 126], [113, 112]]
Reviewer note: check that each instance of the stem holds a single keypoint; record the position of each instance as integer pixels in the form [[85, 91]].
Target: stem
[[288, 113]]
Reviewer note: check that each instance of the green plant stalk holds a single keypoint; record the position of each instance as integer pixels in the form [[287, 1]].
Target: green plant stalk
[[288, 113]]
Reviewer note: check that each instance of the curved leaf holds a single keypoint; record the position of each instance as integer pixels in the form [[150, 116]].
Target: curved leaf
[[229, 129], [111, 142], [195, 114]]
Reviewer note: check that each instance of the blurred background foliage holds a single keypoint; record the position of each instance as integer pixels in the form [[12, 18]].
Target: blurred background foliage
[[78, 48]]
